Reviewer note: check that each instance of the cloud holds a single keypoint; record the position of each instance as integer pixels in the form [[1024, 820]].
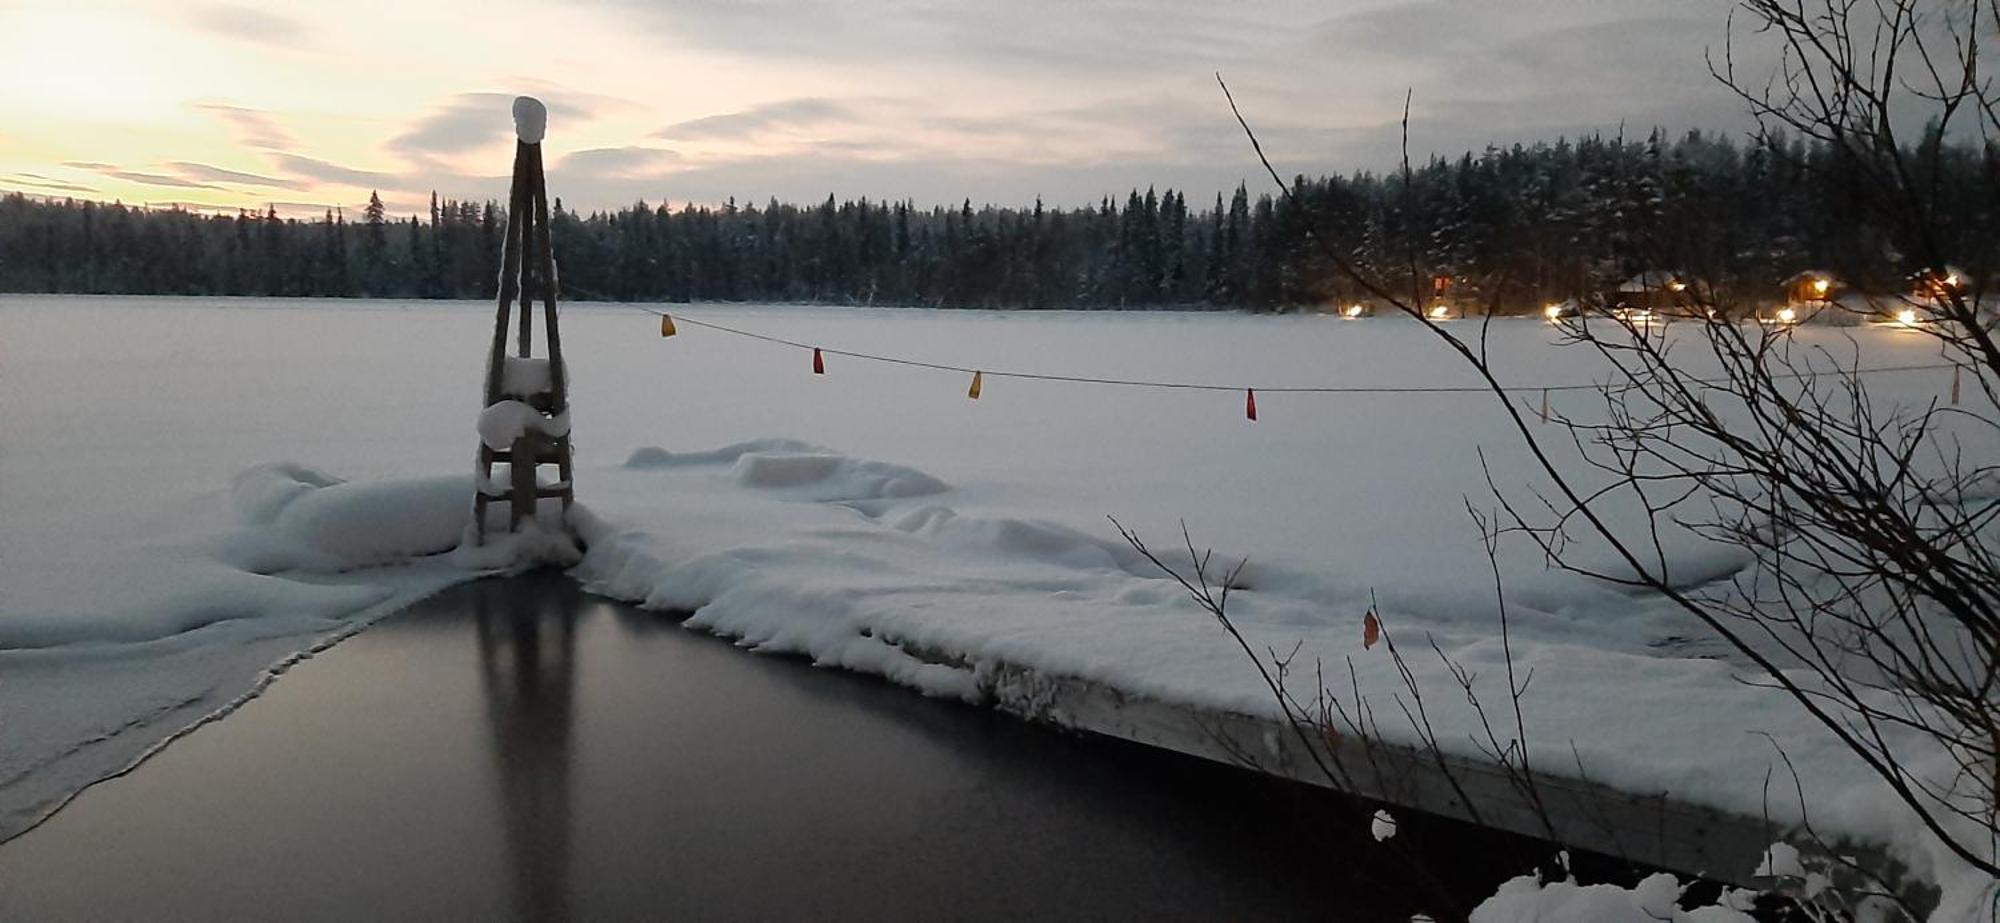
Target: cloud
[[252, 127], [159, 179], [1320, 78], [937, 100], [134, 176], [618, 161], [328, 172], [38, 181], [249, 24], [590, 104], [788, 113], [1031, 38], [471, 121], [202, 171]]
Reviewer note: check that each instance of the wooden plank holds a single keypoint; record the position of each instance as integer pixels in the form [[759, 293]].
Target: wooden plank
[[510, 273]]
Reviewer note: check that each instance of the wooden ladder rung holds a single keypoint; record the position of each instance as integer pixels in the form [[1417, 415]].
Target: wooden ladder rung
[[544, 490]]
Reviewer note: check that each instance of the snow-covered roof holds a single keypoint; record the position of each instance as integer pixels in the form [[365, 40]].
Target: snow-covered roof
[[1652, 280]]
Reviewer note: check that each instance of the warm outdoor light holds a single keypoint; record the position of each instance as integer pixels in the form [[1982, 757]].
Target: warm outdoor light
[[1353, 310], [1907, 317], [1552, 311], [1787, 315], [1438, 311], [1821, 285], [1677, 285], [1951, 280]]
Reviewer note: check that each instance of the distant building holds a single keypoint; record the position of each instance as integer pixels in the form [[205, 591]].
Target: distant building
[[1661, 292], [1811, 296], [1812, 287]]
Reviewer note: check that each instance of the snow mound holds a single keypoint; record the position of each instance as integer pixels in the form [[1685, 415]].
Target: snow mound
[[261, 493], [831, 477], [298, 518], [1019, 538], [656, 457], [286, 529], [382, 522], [799, 471]]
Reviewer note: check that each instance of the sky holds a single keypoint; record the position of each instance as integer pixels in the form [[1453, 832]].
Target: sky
[[309, 106]]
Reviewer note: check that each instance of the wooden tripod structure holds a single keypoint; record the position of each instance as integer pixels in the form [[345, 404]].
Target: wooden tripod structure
[[527, 269]]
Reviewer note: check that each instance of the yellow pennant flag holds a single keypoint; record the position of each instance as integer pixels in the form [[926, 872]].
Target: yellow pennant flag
[[973, 392], [667, 326]]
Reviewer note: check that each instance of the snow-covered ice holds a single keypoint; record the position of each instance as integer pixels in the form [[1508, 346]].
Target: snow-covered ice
[[193, 490]]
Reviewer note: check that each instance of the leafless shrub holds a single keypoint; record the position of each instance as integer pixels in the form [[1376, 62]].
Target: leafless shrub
[[1871, 594]]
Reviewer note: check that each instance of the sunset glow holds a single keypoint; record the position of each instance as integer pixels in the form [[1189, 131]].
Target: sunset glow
[[311, 106]]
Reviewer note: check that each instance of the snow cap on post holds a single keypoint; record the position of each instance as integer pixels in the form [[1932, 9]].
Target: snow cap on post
[[531, 119]]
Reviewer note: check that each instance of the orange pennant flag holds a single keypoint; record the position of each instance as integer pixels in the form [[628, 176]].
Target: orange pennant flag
[[667, 326], [819, 364], [973, 392], [1250, 403], [1371, 630]]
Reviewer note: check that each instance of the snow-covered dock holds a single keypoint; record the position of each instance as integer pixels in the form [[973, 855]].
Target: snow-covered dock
[[1652, 829]]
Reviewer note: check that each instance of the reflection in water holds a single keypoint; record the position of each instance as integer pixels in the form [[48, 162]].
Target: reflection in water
[[527, 654], [805, 794]]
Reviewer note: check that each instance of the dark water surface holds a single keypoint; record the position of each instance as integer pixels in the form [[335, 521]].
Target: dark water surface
[[517, 749]]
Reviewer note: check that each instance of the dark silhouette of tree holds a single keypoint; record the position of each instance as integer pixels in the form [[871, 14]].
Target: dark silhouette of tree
[[1512, 227]]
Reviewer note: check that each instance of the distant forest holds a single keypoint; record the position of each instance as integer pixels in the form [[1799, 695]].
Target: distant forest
[[1513, 226]]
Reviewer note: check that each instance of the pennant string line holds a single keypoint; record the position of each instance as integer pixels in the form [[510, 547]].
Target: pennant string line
[[1199, 386]]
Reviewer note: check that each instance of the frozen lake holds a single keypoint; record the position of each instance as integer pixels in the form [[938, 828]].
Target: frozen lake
[[147, 581]]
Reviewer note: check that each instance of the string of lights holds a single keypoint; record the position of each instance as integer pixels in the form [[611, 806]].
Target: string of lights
[[669, 320]]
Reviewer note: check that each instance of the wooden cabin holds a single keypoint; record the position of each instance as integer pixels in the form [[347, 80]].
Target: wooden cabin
[[1811, 296], [1660, 293], [1812, 287]]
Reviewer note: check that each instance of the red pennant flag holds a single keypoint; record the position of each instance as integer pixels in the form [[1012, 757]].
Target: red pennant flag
[[1371, 630], [1250, 403], [819, 364]]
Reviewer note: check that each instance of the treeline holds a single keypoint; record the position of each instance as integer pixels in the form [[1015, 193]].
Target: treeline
[[1512, 227]]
